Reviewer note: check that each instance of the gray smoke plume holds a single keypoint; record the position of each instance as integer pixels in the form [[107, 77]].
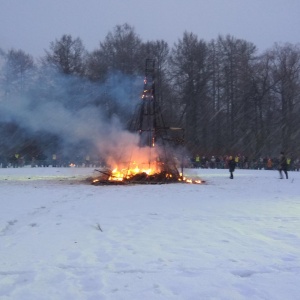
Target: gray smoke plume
[[78, 113]]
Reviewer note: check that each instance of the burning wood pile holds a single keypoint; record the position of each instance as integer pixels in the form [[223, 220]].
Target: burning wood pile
[[149, 167], [140, 177], [150, 160], [135, 175]]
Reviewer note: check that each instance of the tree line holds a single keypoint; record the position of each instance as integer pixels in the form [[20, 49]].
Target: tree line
[[228, 97]]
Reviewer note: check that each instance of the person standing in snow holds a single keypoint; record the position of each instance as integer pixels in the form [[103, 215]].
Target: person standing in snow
[[197, 161], [231, 166], [54, 163], [283, 166], [213, 162]]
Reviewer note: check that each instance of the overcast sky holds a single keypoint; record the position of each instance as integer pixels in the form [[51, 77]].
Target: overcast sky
[[31, 25]]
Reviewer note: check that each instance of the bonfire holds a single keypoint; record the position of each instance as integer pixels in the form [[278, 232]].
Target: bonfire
[[157, 171], [150, 159]]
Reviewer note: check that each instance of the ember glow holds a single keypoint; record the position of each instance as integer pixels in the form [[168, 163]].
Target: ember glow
[[189, 180], [135, 174], [122, 174]]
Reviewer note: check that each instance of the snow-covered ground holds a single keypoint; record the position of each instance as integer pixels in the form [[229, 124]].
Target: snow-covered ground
[[62, 238]]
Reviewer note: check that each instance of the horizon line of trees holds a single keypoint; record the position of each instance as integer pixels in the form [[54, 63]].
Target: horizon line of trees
[[226, 96]]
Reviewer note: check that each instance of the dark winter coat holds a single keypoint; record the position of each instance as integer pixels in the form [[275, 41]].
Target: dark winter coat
[[231, 165], [282, 163]]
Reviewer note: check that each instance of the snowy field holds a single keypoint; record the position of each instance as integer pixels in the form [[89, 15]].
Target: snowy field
[[62, 238]]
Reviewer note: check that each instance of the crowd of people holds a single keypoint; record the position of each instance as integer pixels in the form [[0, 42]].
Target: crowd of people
[[54, 160], [205, 162], [242, 162]]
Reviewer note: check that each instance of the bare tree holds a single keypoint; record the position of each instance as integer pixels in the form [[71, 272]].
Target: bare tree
[[286, 78], [121, 50], [117, 59], [235, 59], [16, 79], [190, 75], [97, 66], [17, 71], [67, 55], [263, 112]]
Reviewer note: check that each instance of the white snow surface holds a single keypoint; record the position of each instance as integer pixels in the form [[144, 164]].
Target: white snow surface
[[63, 238]]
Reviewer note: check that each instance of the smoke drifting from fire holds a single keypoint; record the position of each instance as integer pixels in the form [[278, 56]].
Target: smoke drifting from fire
[[122, 149], [76, 112]]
